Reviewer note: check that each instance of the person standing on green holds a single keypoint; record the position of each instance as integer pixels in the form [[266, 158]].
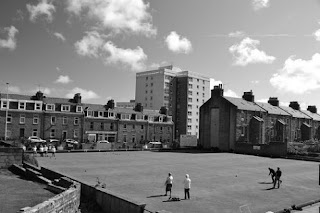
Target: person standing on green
[[187, 186], [168, 184]]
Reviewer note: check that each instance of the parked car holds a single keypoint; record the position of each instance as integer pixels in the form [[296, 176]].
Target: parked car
[[70, 141], [154, 144], [103, 141], [35, 139], [53, 141]]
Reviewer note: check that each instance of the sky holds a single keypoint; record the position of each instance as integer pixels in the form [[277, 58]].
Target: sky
[[96, 47]]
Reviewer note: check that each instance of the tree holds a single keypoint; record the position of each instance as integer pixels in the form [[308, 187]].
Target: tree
[[110, 104], [163, 110], [138, 107]]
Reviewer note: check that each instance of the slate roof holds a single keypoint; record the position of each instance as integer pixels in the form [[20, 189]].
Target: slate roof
[[295, 113], [244, 105], [15, 96], [275, 110], [314, 116], [52, 100]]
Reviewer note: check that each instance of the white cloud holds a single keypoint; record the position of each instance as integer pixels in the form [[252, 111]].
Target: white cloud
[[59, 36], [247, 53], [260, 4], [214, 83], [117, 15], [85, 94], [63, 79], [298, 75], [231, 93], [178, 44], [133, 58], [237, 34], [316, 35], [90, 44], [11, 42], [43, 8]]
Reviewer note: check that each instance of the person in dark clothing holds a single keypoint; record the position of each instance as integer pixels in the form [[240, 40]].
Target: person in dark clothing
[[277, 178], [272, 173]]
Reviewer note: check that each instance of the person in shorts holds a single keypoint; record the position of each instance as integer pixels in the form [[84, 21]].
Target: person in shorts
[[168, 184]]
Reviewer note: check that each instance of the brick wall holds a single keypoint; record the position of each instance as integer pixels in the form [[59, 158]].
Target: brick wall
[[9, 156]]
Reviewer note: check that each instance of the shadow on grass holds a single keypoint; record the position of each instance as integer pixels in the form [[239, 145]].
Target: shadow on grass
[[156, 196], [268, 189], [265, 182]]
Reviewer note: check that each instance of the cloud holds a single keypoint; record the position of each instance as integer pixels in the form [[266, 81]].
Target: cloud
[[178, 44], [133, 58], [85, 94], [298, 76], [63, 79], [43, 8], [260, 4], [214, 83], [59, 36], [230, 93], [247, 53], [11, 42], [90, 44], [316, 35], [237, 34], [117, 15]]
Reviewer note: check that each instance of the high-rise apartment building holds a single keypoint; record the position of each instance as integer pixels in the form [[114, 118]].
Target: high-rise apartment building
[[181, 92]]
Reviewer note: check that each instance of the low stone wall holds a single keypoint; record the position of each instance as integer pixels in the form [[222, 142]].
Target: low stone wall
[[67, 201], [110, 202], [9, 156], [273, 149]]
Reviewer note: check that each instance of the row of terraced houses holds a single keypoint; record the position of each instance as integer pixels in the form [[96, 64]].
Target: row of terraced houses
[[62, 118], [243, 125]]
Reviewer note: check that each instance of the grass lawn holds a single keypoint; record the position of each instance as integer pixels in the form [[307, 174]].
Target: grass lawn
[[221, 182]]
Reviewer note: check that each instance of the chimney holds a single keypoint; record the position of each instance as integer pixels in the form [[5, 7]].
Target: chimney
[[39, 96], [77, 98], [312, 109], [294, 105], [248, 96], [273, 101], [217, 91]]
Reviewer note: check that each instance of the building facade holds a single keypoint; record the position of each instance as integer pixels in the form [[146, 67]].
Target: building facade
[[62, 118], [241, 124], [181, 92]]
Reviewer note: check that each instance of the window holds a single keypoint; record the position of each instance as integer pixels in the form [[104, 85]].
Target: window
[[190, 79], [145, 98], [203, 95], [189, 113], [133, 126], [166, 84], [111, 114], [197, 80], [52, 133], [151, 84], [22, 119], [38, 106], [4, 104], [65, 108], [197, 113], [203, 81], [189, 106], [189, 92], [197, 99], [202, 101], [139, 117], [151, 91], [50, 107], [203, 88], [141, 126], [101, 126], [76, 133], [197, 93], [53, 120], [189, 99], [146, 91], [190, 86], [79, 109], [89, 113], [189, 120], [196, 126], [100, 114], [22, 105], [111, 126], [34, 132], [9, 118], [189, 127], [35, 119], [125, 126], [166, 98], [147, 78], [124, 138], [91, 125], [146, 84], [133, 138], [197, 120], [76, 121], [197, 86], [150, 98], [64, 120], [188, 133], [197, 106], [125, 116], [160, 128]]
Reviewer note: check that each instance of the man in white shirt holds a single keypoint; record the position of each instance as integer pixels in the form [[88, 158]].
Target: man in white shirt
[[187, 186], [168, 184]]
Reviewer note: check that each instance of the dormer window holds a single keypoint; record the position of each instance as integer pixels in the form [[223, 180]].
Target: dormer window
[[111, 115], [139, 117], [79, 109], [100, 114], [38, 106], [125, 116], [65, 108], [50, 107], [90, 113], [4, 104], [22, 105], [160, 119], [151, 118]]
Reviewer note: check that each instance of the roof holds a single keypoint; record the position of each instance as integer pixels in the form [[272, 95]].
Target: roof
[[244, 105], [295, 113], [15, 96], [314, 116], [94, 107], [272, 109], [52, 100]]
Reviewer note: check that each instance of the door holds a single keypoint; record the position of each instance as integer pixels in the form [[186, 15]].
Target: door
[[64, 135], [21, 134]]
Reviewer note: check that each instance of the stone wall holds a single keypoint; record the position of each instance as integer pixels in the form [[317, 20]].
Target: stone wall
[[9, 156]]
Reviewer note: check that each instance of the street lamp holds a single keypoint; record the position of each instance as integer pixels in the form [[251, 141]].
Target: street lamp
[[7, 106]]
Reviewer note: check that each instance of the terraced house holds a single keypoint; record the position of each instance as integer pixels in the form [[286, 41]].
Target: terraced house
[[61, 118], [246, 126]]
